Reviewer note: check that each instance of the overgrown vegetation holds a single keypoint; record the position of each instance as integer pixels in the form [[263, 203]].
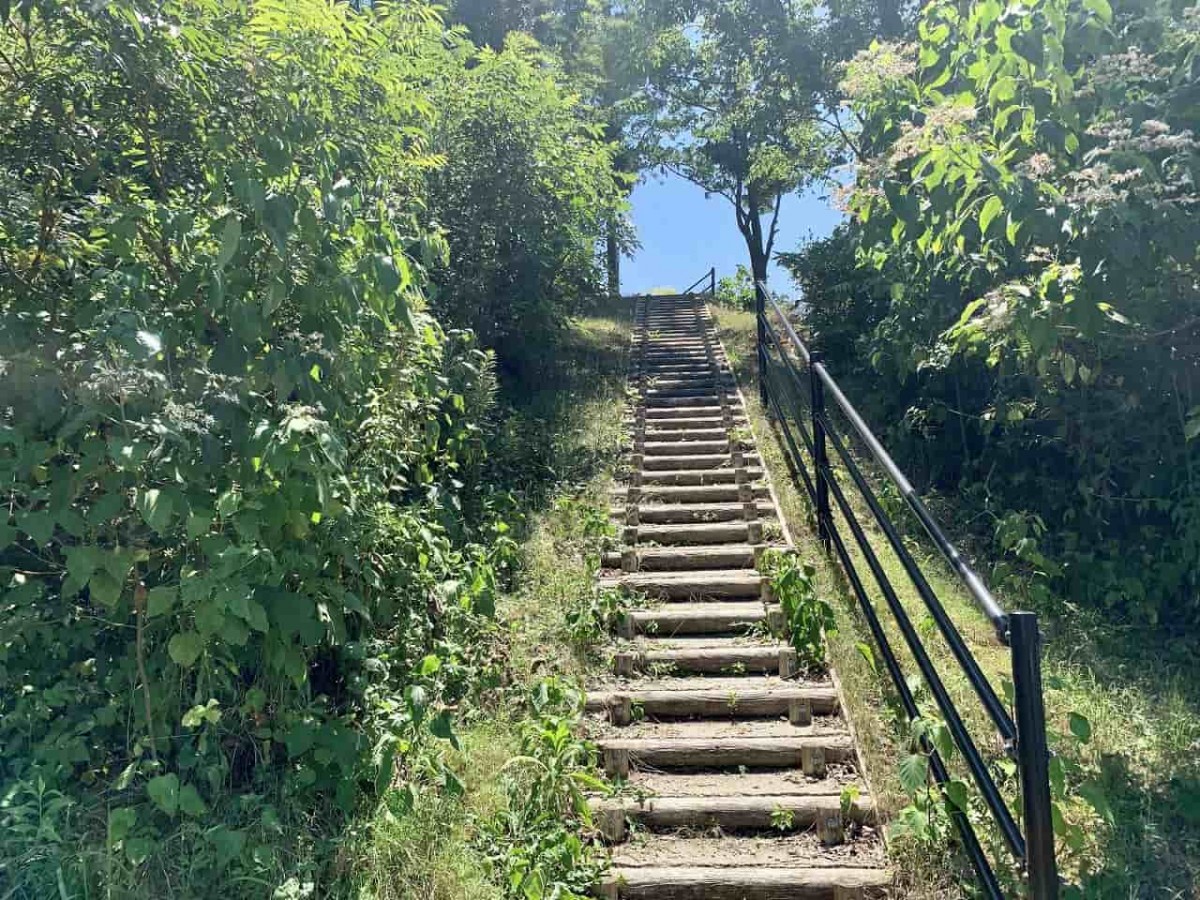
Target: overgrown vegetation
[[251, 560], [1028, 306]]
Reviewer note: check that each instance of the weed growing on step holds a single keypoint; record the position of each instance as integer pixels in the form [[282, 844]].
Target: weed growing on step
[[783, 819], [807, 616]]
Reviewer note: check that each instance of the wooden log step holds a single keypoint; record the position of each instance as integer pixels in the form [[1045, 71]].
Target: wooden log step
[[744, 784], [698, 493], [682, 513], [677, 447], [653, 426], [804, 752], [742, 883], [734, 658], [716, 433], [681, 402], [700, 476], [696, 618], [702, 533], [689, 585], [688, 558], [716, 698], [781, 813], [704, 461], [688, 411]]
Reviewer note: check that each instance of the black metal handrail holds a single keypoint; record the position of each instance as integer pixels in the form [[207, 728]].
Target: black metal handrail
[[783, 389], [711, 277]]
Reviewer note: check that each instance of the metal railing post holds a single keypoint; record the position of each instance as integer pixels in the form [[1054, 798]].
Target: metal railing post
[[712, 281], [760, 312], [1033, 754], [820, 448]]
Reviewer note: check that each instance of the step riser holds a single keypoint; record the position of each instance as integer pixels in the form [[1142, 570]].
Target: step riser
[[691, 463], [749, 704], [695, 513], [722, 883], [665, 623], [733, 815], [694, 756], [749, 660]]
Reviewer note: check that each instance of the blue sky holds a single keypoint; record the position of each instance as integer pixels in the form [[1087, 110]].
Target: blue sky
[[682, 234]]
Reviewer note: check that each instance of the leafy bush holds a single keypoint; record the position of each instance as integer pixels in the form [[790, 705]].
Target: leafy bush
[[807, 617], [527, 186], [1024, 199], [247, 564]]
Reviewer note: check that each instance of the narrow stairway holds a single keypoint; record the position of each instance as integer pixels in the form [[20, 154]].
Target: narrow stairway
[[734, 762]]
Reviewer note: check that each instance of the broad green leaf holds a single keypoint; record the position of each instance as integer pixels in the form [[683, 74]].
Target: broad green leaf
[[914, 773], [164, 792], [1101, 8], [156, 508], [231, 234], [191, 803], [185, 648], [992, 207], [1080, 726]]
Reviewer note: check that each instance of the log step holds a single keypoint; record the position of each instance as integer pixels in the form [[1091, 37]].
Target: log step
[[686, 447], [696, 618], [681, 514], [705, 461], [699, 493], [691, 411], [700, 533], [780, 813], [690, 558], [689, 585], [742, 883], [715, 698], [809, 753], [732, 658], [701, 477]]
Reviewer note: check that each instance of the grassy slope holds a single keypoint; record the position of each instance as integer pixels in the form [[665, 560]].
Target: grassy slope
[[574, 415], [1143, 701]]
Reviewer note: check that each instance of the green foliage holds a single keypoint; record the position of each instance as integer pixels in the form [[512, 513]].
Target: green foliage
[[807, 616], [527, 187], [736, 291], [733, 98], [247, 562], [1023, 199], [534, 844]]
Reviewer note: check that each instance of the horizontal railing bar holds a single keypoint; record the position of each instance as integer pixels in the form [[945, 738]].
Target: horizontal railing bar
[[941, 775], [970, 578], [793, 451], [982, 687], [958, 729]]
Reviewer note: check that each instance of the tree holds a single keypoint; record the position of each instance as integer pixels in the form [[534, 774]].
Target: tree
[[735, 92]]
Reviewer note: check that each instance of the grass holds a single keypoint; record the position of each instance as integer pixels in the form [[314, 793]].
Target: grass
[[1142, 700], [572, 429]]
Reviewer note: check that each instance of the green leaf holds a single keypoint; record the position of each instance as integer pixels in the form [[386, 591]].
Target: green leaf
[[120, 823], [161, 600], [191, 803], [156, 508], [1080, 726], [38, 525], [164, 792], [956, 794], [1101, 8], [185, 648], [228, 842], [231, 234], [914, 773], [991, 208]]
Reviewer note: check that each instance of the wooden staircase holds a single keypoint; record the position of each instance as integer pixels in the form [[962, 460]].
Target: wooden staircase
[[735, 762]]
